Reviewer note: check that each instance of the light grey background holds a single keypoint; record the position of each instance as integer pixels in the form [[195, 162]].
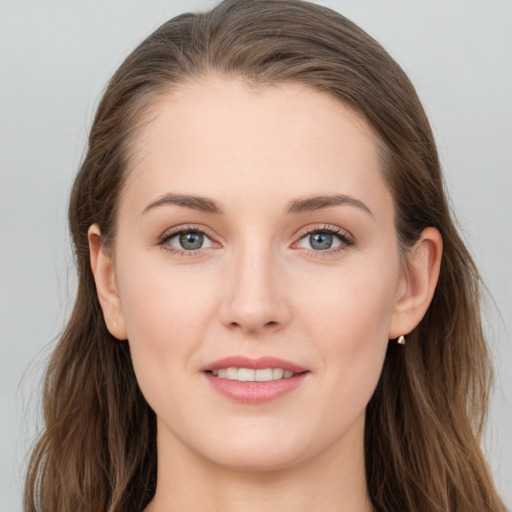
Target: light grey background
[[56, 56]]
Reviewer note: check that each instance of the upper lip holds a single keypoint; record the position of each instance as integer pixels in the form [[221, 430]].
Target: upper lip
[[254, 364]]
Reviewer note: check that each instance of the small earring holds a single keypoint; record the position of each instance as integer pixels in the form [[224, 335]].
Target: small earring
[[115, 324], [401, 340]]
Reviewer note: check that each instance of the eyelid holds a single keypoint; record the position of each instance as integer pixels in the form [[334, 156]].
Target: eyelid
[[329, 228], [175, 230]]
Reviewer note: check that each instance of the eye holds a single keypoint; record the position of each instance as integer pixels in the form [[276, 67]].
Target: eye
[[187, 240], [324, 239], [319, 241]]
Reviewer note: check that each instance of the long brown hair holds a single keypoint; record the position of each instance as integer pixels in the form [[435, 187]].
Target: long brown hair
[[424, 422]]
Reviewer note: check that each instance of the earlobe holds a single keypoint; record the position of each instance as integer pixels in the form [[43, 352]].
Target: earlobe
[[103, 271], [421, 276]]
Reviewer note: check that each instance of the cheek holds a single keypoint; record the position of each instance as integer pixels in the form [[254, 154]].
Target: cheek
[[353, 303], [164, 315], [160, 301], [349, 323]]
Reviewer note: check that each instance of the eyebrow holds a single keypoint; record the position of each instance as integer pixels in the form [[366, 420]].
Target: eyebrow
[[309, 204], [202, 204], [301, 205]]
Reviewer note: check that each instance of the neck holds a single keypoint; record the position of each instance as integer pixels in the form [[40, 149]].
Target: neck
[[334, 481]]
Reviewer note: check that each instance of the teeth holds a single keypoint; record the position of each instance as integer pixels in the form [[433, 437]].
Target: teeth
[[277, 373], [244, 374], [232, 373], [250, 375], [263, 375]]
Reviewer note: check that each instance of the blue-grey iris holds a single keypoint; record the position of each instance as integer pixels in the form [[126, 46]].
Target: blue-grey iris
[[321, 241], [191, 241]]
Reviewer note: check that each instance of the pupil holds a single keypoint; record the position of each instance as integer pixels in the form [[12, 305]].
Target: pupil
[[191, 241], [320, 241]]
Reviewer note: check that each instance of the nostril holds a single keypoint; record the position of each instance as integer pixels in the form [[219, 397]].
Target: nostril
[[242, 325]]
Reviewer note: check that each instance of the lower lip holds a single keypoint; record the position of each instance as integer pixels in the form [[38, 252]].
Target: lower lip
[[255, 392]]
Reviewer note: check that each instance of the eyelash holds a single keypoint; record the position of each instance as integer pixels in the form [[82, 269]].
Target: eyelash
[[346, 240], [168, 235], [343, 237]]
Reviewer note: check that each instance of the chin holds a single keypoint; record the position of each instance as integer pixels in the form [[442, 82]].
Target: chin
[[261, 449], [257, 460]]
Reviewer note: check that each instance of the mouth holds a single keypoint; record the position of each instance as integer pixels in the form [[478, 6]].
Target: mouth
[[254, 381]]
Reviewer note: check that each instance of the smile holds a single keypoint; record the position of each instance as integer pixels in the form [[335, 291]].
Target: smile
[[254, 381], [252, 375]]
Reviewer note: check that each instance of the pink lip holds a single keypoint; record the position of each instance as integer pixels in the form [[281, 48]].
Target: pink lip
[[254, 364], [254, 392]]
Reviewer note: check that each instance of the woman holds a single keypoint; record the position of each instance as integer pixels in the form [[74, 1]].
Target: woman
[[274, 309]]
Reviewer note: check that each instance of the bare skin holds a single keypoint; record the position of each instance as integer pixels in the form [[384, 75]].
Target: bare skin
[[257, 223]]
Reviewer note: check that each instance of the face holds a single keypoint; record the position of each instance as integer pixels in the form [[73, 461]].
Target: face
[[255, 242]]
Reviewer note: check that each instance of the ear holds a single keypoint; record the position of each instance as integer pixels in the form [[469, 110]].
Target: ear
[[104, 275], [419, 283]]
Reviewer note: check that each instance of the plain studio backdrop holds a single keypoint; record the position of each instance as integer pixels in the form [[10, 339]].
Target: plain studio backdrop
[[55, 58]]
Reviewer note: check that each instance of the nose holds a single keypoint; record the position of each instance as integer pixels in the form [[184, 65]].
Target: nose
[[255, 299]]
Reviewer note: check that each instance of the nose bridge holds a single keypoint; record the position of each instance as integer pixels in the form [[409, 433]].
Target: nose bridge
[[254, 300]]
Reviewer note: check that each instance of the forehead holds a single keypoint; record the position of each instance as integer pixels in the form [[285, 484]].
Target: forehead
[[223, 137]]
